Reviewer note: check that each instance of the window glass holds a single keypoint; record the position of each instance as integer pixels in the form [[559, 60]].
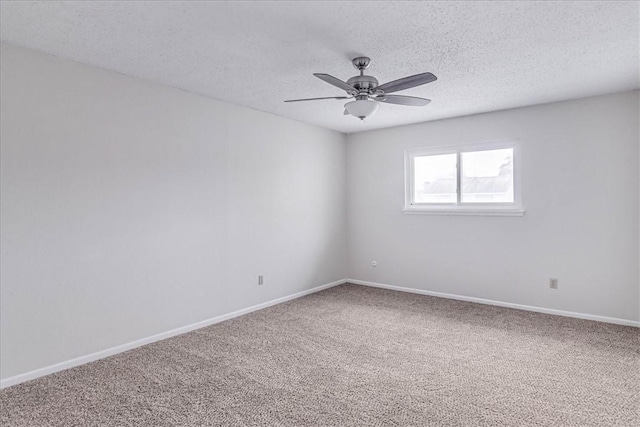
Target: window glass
[[435, 179], [487, 176], [468, 179]]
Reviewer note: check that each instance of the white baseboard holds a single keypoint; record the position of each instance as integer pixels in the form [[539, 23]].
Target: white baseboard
[[500, 303], [17, 379]]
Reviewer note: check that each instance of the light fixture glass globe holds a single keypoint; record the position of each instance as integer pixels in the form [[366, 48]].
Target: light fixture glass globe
[[362, 108]]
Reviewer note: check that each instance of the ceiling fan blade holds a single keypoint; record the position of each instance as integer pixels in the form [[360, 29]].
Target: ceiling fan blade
[[413, 101], [407, 82], [336, 82], [315, 99]]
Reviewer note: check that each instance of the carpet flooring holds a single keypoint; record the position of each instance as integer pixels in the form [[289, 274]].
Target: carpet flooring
[[355, 356]]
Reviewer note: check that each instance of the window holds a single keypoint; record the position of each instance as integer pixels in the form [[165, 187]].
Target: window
[[478, 179]]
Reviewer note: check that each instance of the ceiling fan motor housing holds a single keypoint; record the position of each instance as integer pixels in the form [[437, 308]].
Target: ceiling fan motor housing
[[363, 83]]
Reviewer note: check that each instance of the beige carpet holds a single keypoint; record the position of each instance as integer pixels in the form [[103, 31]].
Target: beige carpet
[[355, 356]]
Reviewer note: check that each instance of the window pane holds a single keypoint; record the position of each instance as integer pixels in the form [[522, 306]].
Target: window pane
[[435, 179], [487, 176]]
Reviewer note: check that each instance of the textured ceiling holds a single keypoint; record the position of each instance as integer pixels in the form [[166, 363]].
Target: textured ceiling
[[487, 55]]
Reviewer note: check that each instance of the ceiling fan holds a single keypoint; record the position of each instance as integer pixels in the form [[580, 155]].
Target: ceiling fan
[[368, 93]]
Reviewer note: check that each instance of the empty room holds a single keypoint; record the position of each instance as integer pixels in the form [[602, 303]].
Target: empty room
[[320, 213]]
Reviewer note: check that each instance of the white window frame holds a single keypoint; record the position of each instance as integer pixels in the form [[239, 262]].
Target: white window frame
[[460, 208]]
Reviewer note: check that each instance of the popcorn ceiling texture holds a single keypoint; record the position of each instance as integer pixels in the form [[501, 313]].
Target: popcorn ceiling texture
[[487, 55], [355, 356]]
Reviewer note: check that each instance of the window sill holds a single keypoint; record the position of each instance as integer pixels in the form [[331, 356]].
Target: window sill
[[464, 211]]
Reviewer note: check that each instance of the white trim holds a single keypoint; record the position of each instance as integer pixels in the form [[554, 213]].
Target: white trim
[[20, 378], [27, 376], [500, 303], [459, 211]]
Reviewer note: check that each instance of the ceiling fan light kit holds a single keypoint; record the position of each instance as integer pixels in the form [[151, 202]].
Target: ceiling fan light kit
[[368, 93], [361, 108]]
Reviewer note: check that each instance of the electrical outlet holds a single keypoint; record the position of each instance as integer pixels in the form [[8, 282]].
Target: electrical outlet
[[553, 283], [374, 263], [260, 280]]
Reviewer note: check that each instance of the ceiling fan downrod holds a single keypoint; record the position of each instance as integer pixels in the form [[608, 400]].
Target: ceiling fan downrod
[[363, 84]]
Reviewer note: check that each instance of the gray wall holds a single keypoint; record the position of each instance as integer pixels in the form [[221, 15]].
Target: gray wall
[[580, 192], [130, 209]]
